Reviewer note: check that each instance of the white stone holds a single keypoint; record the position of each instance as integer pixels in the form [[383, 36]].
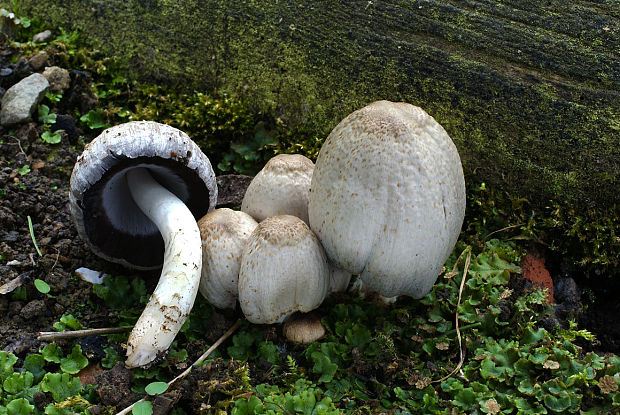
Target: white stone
[[21, 100]]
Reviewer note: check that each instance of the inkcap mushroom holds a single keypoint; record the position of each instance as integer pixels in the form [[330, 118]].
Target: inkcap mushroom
[[283, 270], [136, 192], [280, 188], [387, 197], [224, 234]]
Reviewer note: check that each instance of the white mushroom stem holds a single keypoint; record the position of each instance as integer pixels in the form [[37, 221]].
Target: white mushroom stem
[[175, 293]]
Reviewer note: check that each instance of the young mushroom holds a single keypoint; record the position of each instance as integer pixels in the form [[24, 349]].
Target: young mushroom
[[280, 188], [388, 197], [283, 270], [136, 191], [224, 234]]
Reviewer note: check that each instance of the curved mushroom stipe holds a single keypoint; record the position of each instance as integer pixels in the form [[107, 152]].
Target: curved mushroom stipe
[[176, 291]]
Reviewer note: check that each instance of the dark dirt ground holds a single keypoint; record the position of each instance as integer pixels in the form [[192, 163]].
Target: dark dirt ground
[[42, 194]]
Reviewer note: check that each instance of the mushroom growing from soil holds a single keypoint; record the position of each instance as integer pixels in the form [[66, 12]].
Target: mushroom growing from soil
[[224, 234], [283, 270], [388, 197], [136, 192], [280, 188]]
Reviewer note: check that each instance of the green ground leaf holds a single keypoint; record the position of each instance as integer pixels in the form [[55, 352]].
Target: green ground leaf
[[41, 286], [51, 137], [111, 358], [52, 409], [45, 116], [142, 408], [19, 406], [18, 382], [269, 352], [559, 403], [119, 292], [68, 321], [491, 268], [34, 364], [247, 406], [61, 385], [243, 344], [156, 388], [75, 362], [94, 119], [24, 170], [323, 366], [358, 336], [51, 353], [7, 360]]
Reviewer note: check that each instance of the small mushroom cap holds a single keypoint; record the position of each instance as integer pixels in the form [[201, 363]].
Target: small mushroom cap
[[104, 212], [283, 270], [224, 233], [388, 197], [280, 188], [303, 328]]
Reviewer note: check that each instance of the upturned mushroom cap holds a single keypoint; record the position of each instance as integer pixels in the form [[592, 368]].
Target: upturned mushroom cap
[[388, 197], [283, 270], [104, 212], [280, 188], [224, 233]]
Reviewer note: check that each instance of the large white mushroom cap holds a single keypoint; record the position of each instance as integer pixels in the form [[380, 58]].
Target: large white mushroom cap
[[283, 270], [224, 233], [280, 188], [388, 197]]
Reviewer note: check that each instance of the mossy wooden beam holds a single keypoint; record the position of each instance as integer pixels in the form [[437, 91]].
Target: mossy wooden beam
[[529, 91]]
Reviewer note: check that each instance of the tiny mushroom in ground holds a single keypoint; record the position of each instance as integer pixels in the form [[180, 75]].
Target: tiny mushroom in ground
[[388, 197], [224, 234], [136, 192], [283, 270], [280, 188]]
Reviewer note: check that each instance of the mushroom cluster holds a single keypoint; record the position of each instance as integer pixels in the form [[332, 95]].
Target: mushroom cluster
[[275, 268], [385, 201]]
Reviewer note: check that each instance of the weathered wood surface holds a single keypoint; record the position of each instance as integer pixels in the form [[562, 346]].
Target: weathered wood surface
[[529, 90]]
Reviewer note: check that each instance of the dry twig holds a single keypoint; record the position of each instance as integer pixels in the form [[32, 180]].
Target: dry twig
[[458, 331], [201, 359], [53, 335]]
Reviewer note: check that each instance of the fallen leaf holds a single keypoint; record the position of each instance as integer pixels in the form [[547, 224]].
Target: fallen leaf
[[608, 384], [492, 406], [551, 364], [423, 383], [442, 346]]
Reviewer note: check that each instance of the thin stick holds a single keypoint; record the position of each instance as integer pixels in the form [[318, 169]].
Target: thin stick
[[34, 241], [201, 359], [503, 229], [19, 143], [458, 331], [53, 335]]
